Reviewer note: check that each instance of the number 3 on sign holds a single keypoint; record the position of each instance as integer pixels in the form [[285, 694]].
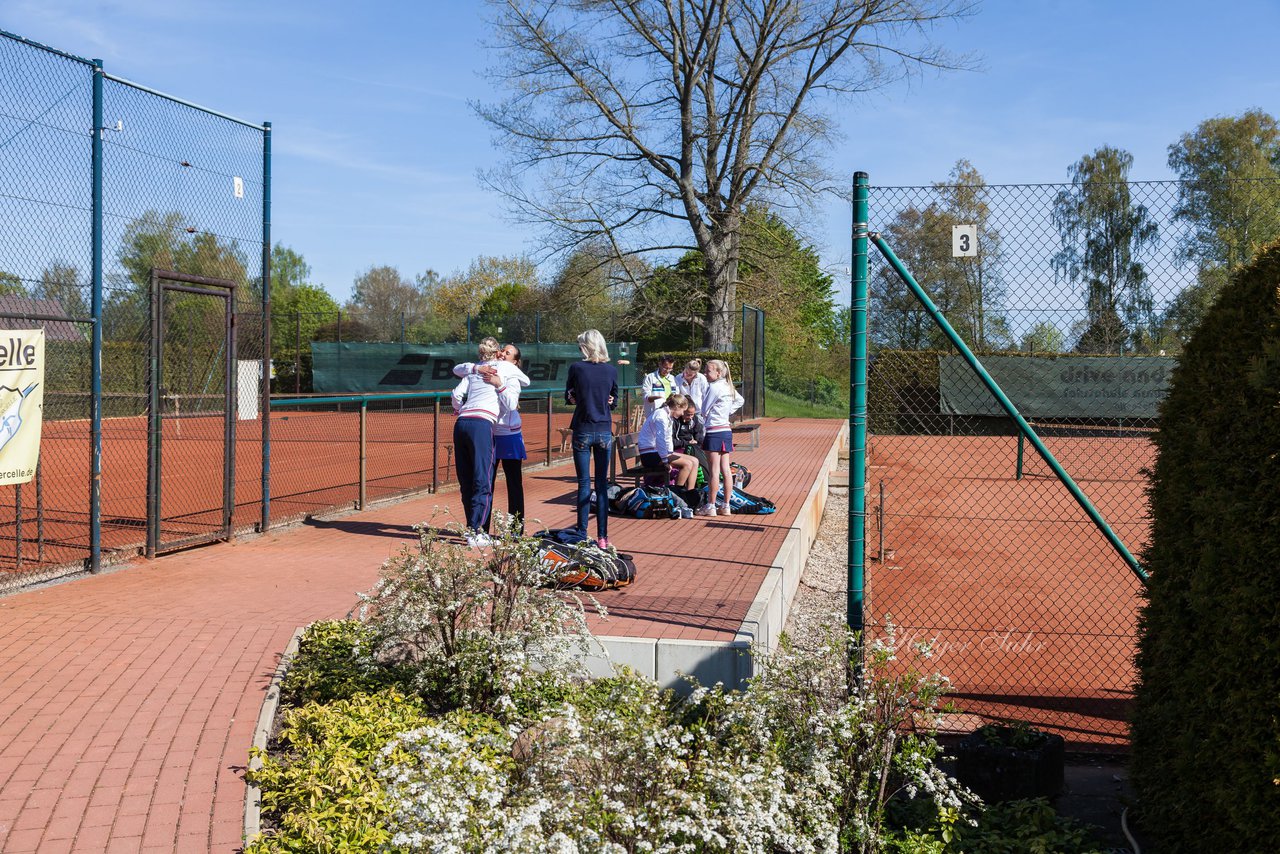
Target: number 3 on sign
[[964, 241]]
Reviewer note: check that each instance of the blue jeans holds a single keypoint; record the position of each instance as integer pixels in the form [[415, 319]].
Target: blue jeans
[[586, 446]]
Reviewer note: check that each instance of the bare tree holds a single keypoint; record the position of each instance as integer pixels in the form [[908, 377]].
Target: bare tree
[[650, 124]]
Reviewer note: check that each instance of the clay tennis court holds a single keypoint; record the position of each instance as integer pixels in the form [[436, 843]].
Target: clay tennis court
[[315, 464], [1029, 610]]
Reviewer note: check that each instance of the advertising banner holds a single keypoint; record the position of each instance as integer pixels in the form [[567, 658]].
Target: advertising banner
[[1080, 387], [369, 368], [21, 403]]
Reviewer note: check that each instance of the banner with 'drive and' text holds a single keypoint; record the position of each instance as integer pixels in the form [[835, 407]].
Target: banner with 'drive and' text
[[21, 403]]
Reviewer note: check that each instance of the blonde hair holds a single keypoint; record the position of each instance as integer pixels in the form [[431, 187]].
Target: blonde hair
[[676, 400], [723, 367], [489, 349], [592, 345], [695, 364]]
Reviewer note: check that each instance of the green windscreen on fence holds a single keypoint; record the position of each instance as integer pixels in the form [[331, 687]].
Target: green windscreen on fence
[[365, 368], [1069, 387]]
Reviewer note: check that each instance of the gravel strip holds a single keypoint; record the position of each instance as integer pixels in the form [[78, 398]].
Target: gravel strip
[[820, 598]]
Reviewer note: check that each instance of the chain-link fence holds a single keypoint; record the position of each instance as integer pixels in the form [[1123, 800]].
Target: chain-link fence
[[1077, 298], [102, 182]]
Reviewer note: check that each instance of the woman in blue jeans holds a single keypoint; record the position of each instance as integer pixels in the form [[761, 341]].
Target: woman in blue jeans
[[592, 389]]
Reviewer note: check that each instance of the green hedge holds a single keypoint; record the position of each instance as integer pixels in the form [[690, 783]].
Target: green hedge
[[1206, 730]]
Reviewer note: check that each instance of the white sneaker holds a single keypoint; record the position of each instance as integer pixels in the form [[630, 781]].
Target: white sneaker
[[705, 510], [723, 510]]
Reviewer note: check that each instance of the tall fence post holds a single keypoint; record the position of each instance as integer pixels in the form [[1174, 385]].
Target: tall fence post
[[297, 352], [364, 439], [265, 522], [550, 395], [858, 410], [95, 367], [435, 446]]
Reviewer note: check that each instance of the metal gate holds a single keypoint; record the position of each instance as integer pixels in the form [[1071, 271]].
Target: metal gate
[[752, 361], [191, 421]]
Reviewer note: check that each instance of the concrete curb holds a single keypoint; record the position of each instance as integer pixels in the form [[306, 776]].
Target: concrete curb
[[729, 662], [262, 732]]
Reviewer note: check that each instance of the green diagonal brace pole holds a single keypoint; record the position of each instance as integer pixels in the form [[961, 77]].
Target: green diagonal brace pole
[[1004, 401]]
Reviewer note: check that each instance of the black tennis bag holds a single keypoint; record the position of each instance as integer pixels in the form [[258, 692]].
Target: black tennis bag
[[744, 502], [645, 502], [576, 562], [741, 475]]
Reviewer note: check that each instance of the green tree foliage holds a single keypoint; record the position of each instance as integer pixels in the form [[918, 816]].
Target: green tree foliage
[[11, 285], [780, 274], [1104, 234], [386, 303], [1206, 728], [61, 283], [1044, 337], [162, 242], [1230, 201], [592, 289], [968, 291]]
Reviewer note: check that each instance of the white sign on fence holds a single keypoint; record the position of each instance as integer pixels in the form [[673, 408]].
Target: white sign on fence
[[21, 403], [964, 241]]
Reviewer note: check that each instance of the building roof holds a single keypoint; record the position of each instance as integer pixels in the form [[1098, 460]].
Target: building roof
[[15, 312]]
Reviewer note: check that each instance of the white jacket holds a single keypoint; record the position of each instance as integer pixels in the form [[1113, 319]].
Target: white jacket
[[695, 390], [508, 419], [720, 401], [655, 434], [651, 381]]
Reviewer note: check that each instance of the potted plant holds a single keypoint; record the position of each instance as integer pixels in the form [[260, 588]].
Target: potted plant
[[1005, 762]]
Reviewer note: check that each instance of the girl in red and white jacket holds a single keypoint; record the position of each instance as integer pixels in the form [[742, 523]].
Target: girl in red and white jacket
[[473, 441], [508, 440], [720, 401]]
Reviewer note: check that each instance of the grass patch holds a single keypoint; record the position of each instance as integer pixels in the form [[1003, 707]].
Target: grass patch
[[779, 405]]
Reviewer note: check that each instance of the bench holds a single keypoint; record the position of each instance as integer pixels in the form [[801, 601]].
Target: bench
[[629, 464], [746, 437]]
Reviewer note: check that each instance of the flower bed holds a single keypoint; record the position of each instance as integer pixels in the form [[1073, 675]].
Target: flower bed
[[454, 716]]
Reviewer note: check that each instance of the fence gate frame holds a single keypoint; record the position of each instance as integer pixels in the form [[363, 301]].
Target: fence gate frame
[[224, 289], [752, 362]]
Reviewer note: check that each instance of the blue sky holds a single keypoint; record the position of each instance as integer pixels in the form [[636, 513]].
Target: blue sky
[[376, 149]]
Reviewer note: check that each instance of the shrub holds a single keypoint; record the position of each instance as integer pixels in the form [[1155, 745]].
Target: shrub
[[335, 662], [1205, 729], [792, 764], [320, 792], [469, 634]]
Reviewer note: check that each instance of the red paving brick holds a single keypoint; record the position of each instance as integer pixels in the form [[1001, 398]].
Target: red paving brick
[[128, 699]]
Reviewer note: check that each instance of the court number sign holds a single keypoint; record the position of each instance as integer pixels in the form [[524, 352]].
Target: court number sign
[[964, 241]]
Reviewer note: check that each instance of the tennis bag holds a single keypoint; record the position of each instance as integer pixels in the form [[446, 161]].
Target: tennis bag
[[576, 562], [741, 476], [646, 502], [746, 503]]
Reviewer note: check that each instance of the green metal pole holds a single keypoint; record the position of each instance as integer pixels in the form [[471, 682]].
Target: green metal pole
[[264, 523], [1023, 426], [95, 348], [1021, 441], [858, 410]]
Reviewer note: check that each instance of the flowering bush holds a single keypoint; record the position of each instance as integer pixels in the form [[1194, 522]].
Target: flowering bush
[[792, 764], [472, 632], [507, 747]]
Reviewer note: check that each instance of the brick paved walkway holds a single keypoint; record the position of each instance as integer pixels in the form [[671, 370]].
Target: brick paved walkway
[[128, 700]]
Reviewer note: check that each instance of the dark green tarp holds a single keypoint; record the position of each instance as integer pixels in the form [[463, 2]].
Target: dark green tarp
[[367, 368], [1064, 387]]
